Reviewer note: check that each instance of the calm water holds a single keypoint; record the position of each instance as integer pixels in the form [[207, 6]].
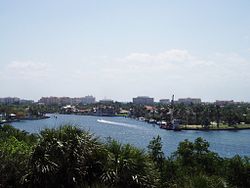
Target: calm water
[[226, 143]]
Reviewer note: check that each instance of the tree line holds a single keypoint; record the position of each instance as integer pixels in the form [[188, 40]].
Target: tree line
[[197, 114], [71, 157]]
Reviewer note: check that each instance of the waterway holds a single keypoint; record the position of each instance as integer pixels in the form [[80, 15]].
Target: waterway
[[138, 133]]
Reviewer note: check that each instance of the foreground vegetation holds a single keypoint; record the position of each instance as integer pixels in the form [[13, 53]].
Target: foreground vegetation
[[70, 157]]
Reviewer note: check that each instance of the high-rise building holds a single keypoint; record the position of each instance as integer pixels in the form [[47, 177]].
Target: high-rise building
[[10, 100], [49, 100], [88, 100], [67, 100]]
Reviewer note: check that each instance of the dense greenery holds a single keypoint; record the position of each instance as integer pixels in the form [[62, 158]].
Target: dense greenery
[[70, 157], [197, 114]]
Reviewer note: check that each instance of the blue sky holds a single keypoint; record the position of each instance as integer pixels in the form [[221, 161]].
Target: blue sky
[[122, 49]]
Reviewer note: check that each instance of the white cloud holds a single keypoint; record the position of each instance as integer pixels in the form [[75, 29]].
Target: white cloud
[[231, 58], [173, 55], [163, 73], [180, 70], [139, 57], [27, 65], [182, 59], [26, 70]]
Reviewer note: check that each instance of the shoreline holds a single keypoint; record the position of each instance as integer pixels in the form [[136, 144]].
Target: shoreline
[[154, 124], [217, 129], [23, 119], [198, 128]]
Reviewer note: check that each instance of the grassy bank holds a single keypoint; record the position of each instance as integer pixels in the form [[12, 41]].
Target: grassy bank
[[215, 127]]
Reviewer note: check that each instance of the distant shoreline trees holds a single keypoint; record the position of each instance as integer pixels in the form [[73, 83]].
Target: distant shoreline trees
[[190, 114]]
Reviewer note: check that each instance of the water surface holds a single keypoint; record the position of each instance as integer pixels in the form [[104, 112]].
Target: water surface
[[138, 133]]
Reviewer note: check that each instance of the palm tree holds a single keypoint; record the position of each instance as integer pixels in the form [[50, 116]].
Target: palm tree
[[65, 157], [128, 167]]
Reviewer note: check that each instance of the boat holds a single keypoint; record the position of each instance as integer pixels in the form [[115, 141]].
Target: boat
[[174, 124]]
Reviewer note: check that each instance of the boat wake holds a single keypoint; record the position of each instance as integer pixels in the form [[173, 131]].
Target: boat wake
[[118, 123]]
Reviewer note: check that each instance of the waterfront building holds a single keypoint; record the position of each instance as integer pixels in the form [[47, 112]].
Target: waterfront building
[[68, 109], [104, 111], [143, 100], [150, 108], [188, 101]]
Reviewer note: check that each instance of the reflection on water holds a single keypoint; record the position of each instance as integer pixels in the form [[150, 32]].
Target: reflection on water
[[138, 133]]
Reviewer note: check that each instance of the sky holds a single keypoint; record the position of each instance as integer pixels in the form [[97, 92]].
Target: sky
[[118, 49]]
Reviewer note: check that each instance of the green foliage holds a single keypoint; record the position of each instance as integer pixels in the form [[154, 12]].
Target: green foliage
[[238, 171], [202, 181], [66, 156], [195, 157], [14, 156], [128, 167], [155, 151], [198, 114], [7, 131], [70, 157]]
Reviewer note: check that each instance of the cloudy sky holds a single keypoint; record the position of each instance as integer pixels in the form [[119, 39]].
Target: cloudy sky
[[121, 49]]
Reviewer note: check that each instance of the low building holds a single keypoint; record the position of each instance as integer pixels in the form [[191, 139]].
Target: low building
[[104, 111], [145, 100], [150, 108], [224, 102], [106, 101], [189, 101], [164, 101], [24, 101], [68, 109]]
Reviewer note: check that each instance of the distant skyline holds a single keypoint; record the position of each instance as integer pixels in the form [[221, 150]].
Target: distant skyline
[[110, 99], [123, 49]]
